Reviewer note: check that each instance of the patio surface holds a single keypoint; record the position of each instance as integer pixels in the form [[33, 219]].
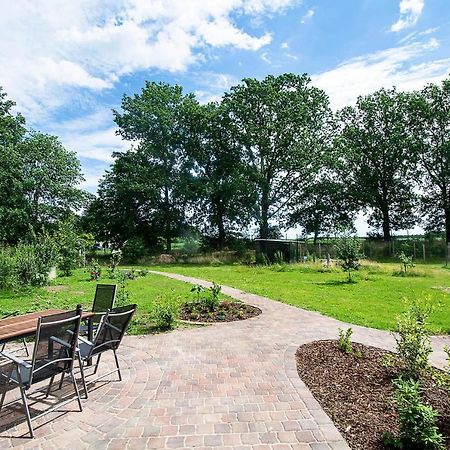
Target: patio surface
[[231, 385]]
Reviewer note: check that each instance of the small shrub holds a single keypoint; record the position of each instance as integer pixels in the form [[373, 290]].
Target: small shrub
[[347, 251], [69, 247], [261, 259], [198, 289], [418, 430], [406, 262], [166, 312], [114, 261], [345, 343], [95, 270], [413, 342], [122, 294], [211, 300], [29, 269]]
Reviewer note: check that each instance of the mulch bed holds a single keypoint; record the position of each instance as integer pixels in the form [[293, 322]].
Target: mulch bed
[[357, 393], [226, 311]]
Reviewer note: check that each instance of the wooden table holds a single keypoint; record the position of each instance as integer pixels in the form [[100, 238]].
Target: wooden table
[[18, 327]]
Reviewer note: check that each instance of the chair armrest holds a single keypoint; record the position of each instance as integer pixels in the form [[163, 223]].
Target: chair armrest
[[15, 360], [60, 341], [84, 340]]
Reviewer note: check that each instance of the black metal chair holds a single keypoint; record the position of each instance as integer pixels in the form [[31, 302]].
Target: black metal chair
[[109, 335], [24, 342], [105, 296], [55, 349]]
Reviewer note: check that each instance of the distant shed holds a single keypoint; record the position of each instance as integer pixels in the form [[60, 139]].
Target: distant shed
[[292, 251]]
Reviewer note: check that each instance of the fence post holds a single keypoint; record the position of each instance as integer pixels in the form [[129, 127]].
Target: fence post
[[414, 250], [447, 259], [320, 251], [423, 250]]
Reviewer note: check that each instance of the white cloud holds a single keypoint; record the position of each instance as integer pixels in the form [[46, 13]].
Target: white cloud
[[214, 86], [92, 136], [308, 16], [284, 45], [399, 66], [48, 48], [410, 11]]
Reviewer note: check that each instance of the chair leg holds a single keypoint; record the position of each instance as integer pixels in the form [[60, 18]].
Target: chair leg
[[2, 399], [117, 365], [49, 386], [75, 386], [61, 381], [25, 407], [25, 347], [96, 364], [83, 379]]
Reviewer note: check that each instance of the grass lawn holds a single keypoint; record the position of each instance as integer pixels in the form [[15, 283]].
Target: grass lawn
[[67, 292], [374, 300]]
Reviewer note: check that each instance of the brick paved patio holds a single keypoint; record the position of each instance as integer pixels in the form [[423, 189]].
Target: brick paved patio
[[230, 385]]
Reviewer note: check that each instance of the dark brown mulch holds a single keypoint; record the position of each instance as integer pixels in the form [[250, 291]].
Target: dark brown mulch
[[225, 312], [357, 393]]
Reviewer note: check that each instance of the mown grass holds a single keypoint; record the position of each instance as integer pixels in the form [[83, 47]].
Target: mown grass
[[67, 292], [374, 300]]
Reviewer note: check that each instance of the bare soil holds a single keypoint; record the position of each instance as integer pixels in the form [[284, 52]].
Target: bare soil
[[226, 311], [357, 392]]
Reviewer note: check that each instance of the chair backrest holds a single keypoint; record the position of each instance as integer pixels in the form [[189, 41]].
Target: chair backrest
[[112, 328], [55, 345], [105, 295]]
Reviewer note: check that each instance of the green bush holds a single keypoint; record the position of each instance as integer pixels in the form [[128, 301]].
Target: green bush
[[30, 270], [165, 312], [406, 262], [210, 300], [413, 342], [134, 249], [418, 430], [8, 276]]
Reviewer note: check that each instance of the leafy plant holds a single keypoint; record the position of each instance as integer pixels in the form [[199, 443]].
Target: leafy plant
[[95, 270], [8, 276], [345, 343], [347, 251], [418, 430], [211, 299], [165, 312], [68, 248], [122, 295], [198, 289], [413, 342], [114, 261], [406, 262]]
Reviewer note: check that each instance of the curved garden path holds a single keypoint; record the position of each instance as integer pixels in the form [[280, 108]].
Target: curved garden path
[[230, 385]]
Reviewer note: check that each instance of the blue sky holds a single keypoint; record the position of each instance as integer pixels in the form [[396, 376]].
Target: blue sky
[[66, 64]]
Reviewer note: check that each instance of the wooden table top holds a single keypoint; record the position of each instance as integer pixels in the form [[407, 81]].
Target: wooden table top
[[26, 324]]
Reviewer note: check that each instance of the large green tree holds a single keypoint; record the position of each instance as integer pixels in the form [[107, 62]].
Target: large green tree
[[12, 126], [280, 126], [324, 207], [40, 180], [154, 120], [377, 162], [430, 128], [222, 189]]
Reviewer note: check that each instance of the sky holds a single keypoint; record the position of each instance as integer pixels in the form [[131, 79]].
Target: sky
[[68, 63]]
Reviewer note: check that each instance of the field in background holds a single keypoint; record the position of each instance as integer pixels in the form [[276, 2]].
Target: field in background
[[374, 300]]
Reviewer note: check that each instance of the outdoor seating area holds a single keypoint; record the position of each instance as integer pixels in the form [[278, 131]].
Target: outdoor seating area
[[59, 350]]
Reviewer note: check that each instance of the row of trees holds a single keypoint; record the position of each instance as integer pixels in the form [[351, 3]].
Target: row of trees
[[273, 154], [39, 179]]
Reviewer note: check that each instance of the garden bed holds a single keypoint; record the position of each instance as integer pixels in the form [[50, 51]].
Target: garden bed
[[357, 393], [225, 311]]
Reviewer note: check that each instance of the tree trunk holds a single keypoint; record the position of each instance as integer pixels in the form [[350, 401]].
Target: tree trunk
[[167, 225], [264, 225], [386, 225], [221, 228], [447, 225]]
